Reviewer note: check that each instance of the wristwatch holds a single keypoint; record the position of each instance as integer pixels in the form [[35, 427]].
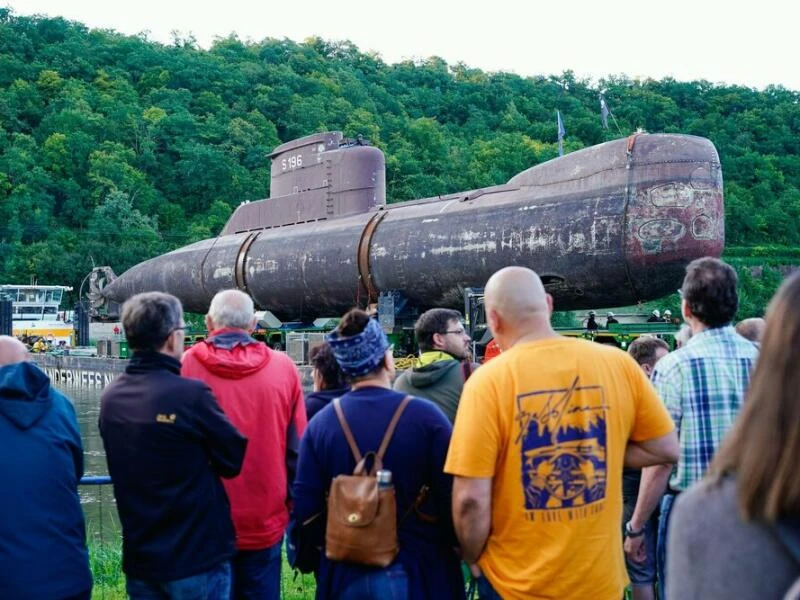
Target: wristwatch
[[631, 533]]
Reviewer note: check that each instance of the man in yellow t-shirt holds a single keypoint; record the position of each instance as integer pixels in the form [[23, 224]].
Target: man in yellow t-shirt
[[540, 439]]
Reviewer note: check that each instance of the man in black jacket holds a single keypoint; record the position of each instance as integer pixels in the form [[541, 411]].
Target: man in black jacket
[[167, 444]]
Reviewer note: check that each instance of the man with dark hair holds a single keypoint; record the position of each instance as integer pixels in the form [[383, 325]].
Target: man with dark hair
[[260, 391], [167, 443], [646, 351], [443, 363], [42, 534], [329, 380], [703, 385]]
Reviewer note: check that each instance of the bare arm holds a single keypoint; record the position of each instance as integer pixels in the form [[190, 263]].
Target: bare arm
[[652, 487], [472, 514], [660, 450]]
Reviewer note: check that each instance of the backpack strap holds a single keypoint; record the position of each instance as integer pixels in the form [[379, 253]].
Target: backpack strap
[[422, 496], [346, 428], [390, 429]]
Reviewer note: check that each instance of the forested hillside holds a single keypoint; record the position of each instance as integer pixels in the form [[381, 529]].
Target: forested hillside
[[115, 149]]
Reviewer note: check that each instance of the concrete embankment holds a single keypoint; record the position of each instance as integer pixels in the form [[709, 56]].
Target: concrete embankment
[[98, 372]]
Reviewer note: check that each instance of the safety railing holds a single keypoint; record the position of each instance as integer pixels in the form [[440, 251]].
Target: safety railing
[[95, 480], [104, 539]]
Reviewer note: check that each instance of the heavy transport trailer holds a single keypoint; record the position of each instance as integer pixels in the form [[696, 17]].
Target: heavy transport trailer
[[609, 225], [617, 334]]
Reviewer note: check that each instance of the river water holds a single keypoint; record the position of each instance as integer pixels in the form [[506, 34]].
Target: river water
[[102, 522]]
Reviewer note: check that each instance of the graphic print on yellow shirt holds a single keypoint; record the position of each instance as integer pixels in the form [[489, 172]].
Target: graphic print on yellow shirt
[[563, 443]]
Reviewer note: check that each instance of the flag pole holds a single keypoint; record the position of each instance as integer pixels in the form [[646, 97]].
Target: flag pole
[[561, 133], [605, 112]]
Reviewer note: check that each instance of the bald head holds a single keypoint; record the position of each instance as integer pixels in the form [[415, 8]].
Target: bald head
[[752, 329], [516, 293], [232, 308], [12, 350], [517, 306]]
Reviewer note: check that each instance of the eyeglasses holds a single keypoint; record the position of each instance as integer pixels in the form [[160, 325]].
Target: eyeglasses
[[456, 331]]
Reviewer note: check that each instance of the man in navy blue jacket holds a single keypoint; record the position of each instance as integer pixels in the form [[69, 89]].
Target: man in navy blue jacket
[[167, 444], [42, 535]]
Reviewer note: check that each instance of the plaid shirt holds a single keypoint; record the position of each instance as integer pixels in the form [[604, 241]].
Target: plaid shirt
[[703, 386]]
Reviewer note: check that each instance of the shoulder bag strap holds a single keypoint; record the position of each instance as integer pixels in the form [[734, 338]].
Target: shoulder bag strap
[[466, 369], [390, 429], [347, 433]]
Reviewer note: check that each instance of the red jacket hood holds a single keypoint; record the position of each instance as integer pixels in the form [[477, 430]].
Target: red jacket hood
[[239, 355]]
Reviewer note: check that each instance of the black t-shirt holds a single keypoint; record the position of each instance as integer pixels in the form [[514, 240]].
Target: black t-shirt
[[630, 484]]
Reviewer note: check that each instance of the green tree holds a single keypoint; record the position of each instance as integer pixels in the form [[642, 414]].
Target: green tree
[[120, 235]]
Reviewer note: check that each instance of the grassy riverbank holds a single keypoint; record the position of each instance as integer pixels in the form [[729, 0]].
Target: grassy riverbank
[[109, 580], [105, 561]]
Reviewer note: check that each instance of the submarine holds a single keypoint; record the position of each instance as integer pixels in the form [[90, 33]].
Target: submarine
[[609, 225]]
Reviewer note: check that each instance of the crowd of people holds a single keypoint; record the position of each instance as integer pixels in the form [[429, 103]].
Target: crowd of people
[[562, 468]]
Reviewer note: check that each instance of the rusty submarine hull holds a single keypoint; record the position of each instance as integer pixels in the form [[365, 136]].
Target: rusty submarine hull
[[609, 225]]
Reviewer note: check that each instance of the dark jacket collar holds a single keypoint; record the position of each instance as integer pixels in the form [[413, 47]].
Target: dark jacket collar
[[146, 361]]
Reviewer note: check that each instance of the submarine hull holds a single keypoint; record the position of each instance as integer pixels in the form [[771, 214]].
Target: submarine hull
[[606, 226]]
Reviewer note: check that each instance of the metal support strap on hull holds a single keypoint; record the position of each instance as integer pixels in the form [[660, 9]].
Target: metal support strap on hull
[[364, 276], [241, 260]]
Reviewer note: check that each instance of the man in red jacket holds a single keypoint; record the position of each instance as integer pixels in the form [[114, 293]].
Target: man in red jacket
[[260, 391]]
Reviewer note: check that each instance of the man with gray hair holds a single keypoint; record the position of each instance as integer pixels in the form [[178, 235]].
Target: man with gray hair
[[260, 391], [42, 535], [167, 444], [682, 336]]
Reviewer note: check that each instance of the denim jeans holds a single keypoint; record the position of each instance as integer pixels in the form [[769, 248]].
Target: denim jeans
[[661, 547], [211, 585], [257, 574], [641, 574], [390, 583], [486, 591]]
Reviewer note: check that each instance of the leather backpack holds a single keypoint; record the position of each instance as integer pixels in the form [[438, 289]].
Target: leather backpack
[[362, 517]]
